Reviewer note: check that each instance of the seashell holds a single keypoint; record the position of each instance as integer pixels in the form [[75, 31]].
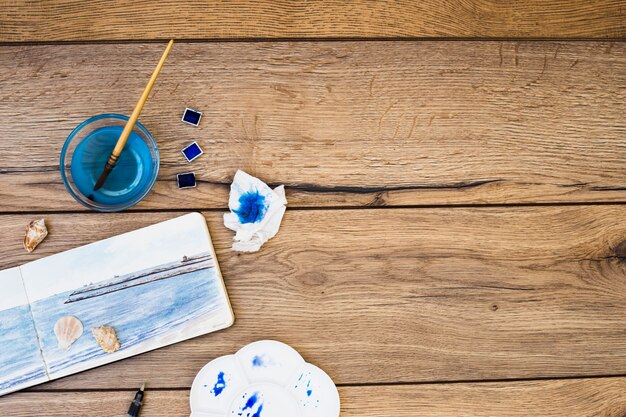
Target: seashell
[[35, 232], [106, 338], [67, 329]]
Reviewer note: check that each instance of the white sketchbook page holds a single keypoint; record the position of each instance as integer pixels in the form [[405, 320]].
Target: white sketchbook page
[[145, 317], [21, 362]]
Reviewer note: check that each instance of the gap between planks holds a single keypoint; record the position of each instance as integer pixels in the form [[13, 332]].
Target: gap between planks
[[304, 40], [364, 384], [328, 208], [547, 398]]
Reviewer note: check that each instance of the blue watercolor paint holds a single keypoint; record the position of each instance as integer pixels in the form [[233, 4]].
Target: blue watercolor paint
[[257, 361], [192, 116], [309, 392], [192, 151], [258, 412], [252, 401], [219, 385], [252, 207], [299, 379]]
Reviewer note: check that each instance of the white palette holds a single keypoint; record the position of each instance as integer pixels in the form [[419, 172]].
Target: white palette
[[264, 379]]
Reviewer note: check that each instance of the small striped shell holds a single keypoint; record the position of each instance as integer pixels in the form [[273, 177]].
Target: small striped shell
[[106, 338], [36, 231], [67, 329]]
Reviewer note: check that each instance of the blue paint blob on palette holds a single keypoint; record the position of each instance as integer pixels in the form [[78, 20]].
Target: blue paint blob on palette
[[253, 406], [263, 379], [220, 384]]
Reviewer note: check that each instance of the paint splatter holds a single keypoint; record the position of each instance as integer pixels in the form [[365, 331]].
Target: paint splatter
[[258, 412], [252, 207], [308, 390], [257, 361], [252, 401], [219, 385], [299, 379]]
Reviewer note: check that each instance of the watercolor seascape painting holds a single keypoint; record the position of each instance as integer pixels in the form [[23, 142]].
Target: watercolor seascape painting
[[20, 357], [153, 287]]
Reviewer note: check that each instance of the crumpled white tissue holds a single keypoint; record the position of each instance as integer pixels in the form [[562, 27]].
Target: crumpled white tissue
[[256, 212]]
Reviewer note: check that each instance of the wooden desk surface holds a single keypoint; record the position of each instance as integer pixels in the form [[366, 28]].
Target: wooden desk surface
[[455, 242]]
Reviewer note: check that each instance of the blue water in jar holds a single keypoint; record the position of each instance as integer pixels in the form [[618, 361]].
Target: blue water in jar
[[131, 176]]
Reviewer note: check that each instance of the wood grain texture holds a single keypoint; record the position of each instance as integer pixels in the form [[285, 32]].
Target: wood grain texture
[[580, 398], [341, 124], [397, 295], [64, 20]]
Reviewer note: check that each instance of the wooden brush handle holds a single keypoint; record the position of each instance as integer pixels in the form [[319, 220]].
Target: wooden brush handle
[[130, 124], [111, 162]]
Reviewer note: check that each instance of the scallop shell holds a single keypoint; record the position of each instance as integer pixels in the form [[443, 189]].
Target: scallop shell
[[67, 329], [106, 338], [36, 231]]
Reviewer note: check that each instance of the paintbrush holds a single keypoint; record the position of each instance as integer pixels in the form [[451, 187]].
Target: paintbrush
[[135, 406], [130, 124]]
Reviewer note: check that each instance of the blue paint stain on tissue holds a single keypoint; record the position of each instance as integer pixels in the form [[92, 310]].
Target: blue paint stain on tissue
[[219, 385], [252, 207], [309, 392]]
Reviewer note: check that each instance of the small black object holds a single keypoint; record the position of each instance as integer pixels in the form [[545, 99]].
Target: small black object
[[192, 116], [186, 180], [135, 406], [192, 151]]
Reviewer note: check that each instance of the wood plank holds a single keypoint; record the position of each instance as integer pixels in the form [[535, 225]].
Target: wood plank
[[555, 398], [64, 20], [341, 124], [389, 295]]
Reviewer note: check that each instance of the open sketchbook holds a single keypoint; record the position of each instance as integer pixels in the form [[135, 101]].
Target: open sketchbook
[[153, 287]]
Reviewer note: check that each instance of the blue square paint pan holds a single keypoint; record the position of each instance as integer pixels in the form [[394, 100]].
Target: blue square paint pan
[[192, 151], [192, 116], [186, 180]]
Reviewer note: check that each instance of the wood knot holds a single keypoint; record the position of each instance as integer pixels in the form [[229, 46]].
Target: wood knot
[[493, 307], [313, 279], [379, 199], [620, 250]]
